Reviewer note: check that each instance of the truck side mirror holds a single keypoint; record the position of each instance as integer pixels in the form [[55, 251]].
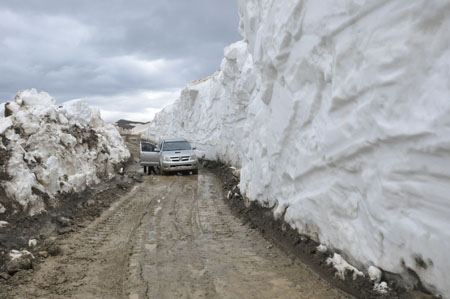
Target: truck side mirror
[[156, 150], [194, 148]]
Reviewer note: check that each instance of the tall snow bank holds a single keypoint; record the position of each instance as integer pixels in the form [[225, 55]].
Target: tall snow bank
[[212, 112], [337, 113], [47, 150]]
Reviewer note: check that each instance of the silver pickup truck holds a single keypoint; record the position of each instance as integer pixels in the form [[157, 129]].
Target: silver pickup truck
[[172, 155]]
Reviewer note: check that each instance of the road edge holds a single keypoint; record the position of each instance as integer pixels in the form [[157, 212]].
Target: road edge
[[302, 247]]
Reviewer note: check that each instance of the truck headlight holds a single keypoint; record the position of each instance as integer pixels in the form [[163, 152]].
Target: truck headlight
[[193, 157], [166, 158]]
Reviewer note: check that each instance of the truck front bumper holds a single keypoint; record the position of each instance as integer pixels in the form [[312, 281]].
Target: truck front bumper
[[179, 166]]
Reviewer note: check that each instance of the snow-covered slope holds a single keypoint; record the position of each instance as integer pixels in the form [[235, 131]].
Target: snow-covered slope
[[140, 129], [338, 113], [46, 150]]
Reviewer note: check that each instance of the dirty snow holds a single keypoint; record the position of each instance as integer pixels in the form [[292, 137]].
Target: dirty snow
[[55, 149], [338, 115], [322, 248], [32, 243], [3, 223], [374, 274], [381, 287], [342, 267], [15, 254], [157, 211], [5, 123]]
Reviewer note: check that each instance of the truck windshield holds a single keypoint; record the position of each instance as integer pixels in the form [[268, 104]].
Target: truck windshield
[[176, 146]]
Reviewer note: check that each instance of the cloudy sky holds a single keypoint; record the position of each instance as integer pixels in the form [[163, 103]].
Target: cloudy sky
[[129, 58]]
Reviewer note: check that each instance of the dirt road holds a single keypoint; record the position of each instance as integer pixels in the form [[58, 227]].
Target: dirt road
[[171, 237]]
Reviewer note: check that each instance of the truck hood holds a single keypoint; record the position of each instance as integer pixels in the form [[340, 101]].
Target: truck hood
[[178, 153]]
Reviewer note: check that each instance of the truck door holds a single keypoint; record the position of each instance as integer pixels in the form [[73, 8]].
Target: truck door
[[148, 155]]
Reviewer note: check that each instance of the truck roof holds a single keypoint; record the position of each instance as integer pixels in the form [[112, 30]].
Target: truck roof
[[172, 139]]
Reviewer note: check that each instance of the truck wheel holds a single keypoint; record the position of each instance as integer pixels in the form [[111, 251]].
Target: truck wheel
[[161, 171], [195, 171], [145, 169]]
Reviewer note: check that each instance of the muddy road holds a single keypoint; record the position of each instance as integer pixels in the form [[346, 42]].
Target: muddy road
[[170, 237]]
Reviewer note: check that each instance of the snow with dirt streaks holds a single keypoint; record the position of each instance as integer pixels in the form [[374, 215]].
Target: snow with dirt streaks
[[342, 267], [53, 149], [337, 114]]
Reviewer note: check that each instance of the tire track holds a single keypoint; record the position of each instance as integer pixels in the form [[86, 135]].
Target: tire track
[[195, 248], [172, 237]]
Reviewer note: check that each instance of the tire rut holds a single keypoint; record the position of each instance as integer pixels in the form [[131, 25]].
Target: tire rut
[[193, 247], [95, 260], [172, 237]]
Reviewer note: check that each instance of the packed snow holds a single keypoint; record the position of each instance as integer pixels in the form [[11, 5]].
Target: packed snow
[[374, 274], [381, 287], [52, 149], [322, 248], [32, 243], [338, 115], [16, 254], [18, 260], [342, 267]]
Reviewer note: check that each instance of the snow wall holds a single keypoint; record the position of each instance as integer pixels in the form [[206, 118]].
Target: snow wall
[[338, 113], [47, 150]]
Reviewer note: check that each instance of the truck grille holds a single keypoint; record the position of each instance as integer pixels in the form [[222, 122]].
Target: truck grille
[[180, 165], [178, 159]]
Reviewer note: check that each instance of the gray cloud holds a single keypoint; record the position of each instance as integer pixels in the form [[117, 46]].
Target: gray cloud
[[112, 52]]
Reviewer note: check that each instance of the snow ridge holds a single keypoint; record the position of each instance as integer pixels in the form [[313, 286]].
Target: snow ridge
[[337, 114], [47, 149]]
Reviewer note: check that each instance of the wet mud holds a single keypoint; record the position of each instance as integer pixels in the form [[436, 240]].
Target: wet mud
[[167, 237], [302, 247]]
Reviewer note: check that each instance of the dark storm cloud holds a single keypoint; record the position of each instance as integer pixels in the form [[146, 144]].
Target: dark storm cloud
[[108, 50]]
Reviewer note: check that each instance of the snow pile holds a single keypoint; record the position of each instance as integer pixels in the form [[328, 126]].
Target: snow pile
[[46, 150], [337, 114], [212, 113], [374, 274], [32, 243], [322, 248], [15, 254], [381, 287], [342, 267], [19, 260]]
